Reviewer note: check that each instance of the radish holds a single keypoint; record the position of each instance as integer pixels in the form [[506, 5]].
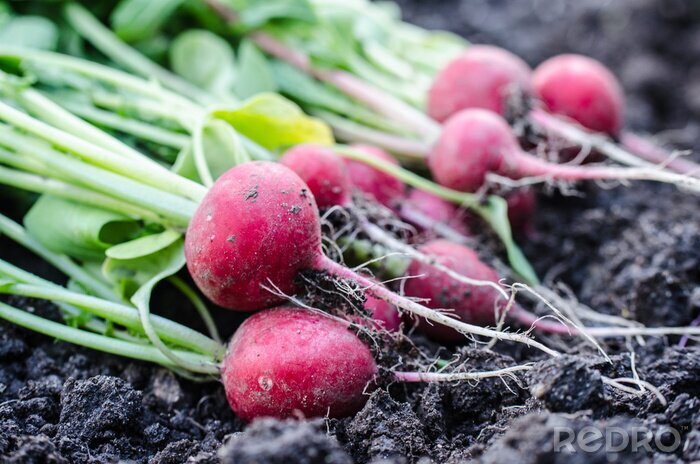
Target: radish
[[477, 142], [384, 315], [386, 189], [582, 89], [323, 171], [432, 213], [258, 227], [481, 77], [474, 305], [522, 204], [285, 361]]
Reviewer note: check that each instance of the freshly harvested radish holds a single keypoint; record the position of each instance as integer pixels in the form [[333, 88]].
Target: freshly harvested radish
[[522, 204], [481, 77], [386, 189], [258, 227], [432, 213], [582, 89], [285, 362], [477, 142], [323, 171], [471, 304]]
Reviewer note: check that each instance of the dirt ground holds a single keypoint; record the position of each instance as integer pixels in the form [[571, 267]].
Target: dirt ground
[[628, 250]]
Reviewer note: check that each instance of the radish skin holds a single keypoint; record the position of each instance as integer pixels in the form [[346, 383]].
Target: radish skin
[[582, 89], [251, 230], [481, 77], [289, 362], [385, 189], [323, 171]]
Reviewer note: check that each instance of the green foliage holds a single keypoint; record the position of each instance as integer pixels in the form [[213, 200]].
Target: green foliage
[[204, 59], [254, 73], [135, 20], [28, 31], [75, 229], [275, 122]]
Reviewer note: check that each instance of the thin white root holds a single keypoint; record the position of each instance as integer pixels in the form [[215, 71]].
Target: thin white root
[[376, 234], [643, 387], [610, 332], [459, 376]]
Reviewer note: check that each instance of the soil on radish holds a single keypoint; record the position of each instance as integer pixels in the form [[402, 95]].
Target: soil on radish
[[632, 251]]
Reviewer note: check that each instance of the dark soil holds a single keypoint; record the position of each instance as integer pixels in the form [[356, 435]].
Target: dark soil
[[633, 251]]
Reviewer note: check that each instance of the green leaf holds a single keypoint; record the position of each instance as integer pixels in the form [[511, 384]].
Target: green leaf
[[255, 13], [143, 246], [75, 229], [254, 73], [204, 59], [135, 20], [496, 214], [30, 32], [185, 166], [221, 149], [129, 275], [275, 122]]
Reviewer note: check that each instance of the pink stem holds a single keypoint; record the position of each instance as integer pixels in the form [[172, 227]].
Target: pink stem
[[653, 153], [521, 164], [526, 318], [383, 293], [355, 87]]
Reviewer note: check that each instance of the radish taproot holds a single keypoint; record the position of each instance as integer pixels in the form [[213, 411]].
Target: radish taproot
[[258, 228], [481, 77], [582, 89], [471, 304], [289, 361], [475, 143]]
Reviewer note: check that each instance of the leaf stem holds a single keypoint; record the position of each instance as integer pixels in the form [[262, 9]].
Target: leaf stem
[[99, 342]]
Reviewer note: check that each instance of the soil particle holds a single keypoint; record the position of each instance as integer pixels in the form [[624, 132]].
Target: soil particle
[[384, 428], [536, 438], [269, 441]]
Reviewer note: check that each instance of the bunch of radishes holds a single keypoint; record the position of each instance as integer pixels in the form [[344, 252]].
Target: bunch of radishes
[[253, 235]]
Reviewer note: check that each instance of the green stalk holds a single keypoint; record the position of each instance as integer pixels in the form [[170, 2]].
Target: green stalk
[[114, 77], [199, 305], [124, 315], [149, 173], [48, 111], [99, 342], [38, 184], [104, 40], [175, 208], [61, 262], [133, 127]]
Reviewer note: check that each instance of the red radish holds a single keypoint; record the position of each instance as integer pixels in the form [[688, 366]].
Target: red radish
[[522, 204], [476, 142], [429, 212], [383, 187], [582, 89], [385, 315], [323, 171], [258, 227], [285, 362], [474, 305], [481, 77]]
